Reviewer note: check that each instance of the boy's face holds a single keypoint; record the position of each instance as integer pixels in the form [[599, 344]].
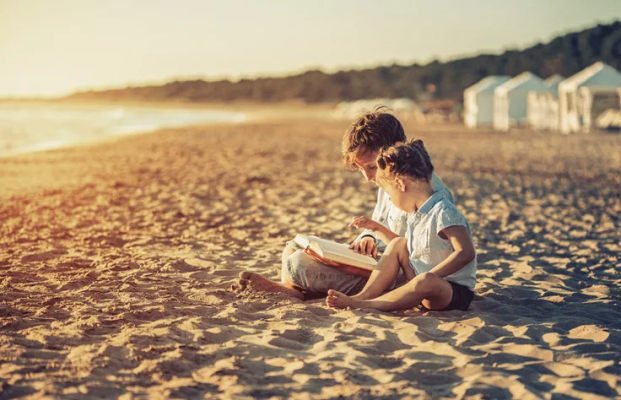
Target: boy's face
[[365, 161]]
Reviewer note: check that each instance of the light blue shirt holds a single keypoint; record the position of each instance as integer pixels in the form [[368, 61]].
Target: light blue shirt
[[392, 217], [427, 249]]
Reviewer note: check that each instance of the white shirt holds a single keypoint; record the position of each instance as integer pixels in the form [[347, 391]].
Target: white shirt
[[393, 218], [427, 249]]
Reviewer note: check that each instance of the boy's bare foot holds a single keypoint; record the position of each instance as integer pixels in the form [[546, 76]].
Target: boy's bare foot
[[257, 283], [340, 300]]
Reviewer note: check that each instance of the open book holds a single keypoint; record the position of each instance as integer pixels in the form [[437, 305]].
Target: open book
[[337, 255]]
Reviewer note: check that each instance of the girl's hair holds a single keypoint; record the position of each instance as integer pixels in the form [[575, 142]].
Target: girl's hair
[[406, 160], [371, 132]]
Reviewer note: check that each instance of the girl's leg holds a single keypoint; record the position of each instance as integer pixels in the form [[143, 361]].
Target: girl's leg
[[429, 289], [396, 256]]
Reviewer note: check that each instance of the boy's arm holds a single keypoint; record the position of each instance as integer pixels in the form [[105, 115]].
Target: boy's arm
[[464, 251]]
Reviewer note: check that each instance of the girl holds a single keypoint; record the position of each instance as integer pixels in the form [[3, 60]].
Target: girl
[[437, 255]]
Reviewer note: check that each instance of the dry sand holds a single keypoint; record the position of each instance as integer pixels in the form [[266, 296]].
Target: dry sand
[[116, 262]]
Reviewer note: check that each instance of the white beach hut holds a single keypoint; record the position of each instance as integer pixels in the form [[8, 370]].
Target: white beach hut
[[511, 100], [543, 107], [586, 95], [479, 101]]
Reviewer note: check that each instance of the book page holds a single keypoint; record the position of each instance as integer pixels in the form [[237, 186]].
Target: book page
[[301, 240], [328, 245], [342, 251]]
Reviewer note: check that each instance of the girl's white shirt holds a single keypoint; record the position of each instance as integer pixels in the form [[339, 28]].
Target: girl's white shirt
[[392, 217]]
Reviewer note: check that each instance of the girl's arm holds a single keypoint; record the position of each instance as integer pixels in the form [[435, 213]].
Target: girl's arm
[[379, 213], [385, 234], [464, 251]]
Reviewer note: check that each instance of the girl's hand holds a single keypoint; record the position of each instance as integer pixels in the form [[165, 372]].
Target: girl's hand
[[364, 223], [365, 246]]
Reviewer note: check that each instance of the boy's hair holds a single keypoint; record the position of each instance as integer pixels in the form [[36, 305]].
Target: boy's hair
[[371, 132], [410, 160]]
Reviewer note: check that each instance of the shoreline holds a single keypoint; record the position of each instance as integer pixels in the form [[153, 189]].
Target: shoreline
[[299, 108], [239, 112]]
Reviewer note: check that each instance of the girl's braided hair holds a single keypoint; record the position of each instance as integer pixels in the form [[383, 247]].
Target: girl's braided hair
[[406, 160]]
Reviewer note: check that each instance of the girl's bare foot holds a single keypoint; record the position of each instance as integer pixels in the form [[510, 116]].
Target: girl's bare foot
[[340, 300], [257, 283]]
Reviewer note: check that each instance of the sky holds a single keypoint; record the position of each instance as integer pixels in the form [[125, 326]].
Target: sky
[[51, 48]]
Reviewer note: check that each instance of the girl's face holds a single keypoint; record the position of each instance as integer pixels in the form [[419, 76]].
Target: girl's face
[[395, 187]]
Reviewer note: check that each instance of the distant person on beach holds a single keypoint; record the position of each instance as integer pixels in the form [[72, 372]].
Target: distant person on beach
[[437, 255], [302, 276]]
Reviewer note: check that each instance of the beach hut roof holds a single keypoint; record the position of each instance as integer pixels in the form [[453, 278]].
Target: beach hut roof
[[488, 84], [553, 82], [525, 81], [554, 79], [598, 75]]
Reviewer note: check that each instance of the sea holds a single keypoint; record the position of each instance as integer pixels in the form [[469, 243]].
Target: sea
[[28, 127]]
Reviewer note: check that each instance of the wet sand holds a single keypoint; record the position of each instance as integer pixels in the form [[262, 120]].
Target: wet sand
[[116, 262]]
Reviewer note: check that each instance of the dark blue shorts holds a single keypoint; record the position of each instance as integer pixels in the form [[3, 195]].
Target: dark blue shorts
[[462, 297]]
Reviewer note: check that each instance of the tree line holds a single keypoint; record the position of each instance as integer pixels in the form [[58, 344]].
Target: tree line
[[564, 55]]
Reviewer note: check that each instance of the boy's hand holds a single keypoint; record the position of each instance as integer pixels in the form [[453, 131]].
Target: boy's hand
[[365, 246]]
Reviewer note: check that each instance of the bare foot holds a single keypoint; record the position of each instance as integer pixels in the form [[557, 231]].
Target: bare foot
[[340, 300], [257, 283]]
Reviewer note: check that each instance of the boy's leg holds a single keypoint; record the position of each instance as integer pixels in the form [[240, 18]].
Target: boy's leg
[[301, 273], [315, 278], [395, 257], [429, 289], [286, 253], [258, 283]]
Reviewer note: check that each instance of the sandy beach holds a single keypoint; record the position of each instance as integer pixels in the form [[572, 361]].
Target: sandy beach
[[117, 260]]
